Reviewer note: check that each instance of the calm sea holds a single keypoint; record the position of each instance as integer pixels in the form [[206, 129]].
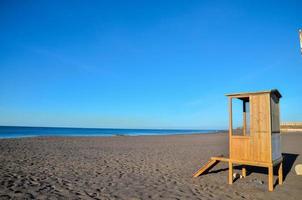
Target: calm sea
[[17, 132]]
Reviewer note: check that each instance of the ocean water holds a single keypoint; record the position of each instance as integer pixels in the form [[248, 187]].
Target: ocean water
[[18, 131]]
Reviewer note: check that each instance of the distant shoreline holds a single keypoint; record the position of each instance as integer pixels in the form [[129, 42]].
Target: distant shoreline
[[7, 132], [110, 136]]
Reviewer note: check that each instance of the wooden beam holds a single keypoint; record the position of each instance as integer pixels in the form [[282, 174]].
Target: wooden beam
[[230, 173], [223, 159], [207, 166], [280, 174], [270, 151], [251, 163], [244, 118], [244, 94], [230, 126], [244, 171], [270, 178], [241, 137]]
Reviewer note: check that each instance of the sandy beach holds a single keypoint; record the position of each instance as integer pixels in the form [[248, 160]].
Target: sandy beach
[[140, 167]]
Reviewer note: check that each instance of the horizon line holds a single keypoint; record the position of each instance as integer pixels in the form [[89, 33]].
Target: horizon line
[[26, 126]]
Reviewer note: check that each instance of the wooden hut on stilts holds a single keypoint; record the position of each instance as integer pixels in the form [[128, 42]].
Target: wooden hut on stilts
[[257, 141]]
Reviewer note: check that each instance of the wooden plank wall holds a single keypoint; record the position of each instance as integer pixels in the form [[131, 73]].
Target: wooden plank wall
[[260, 128], [240, 149], [257, 146]]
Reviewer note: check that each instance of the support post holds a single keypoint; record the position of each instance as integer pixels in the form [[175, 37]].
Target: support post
[[230, 172], [270, 178], [280, 173], [230, 126], [244, 171], [244, 118]]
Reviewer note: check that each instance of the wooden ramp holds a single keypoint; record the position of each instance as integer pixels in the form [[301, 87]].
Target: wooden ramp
[[211, 163]]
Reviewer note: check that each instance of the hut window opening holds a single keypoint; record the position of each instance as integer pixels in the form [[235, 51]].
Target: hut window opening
[[241, 116]]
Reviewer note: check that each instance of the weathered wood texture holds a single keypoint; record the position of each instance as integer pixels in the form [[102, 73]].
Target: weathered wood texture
[[207, 166], [230, 172], [260, 128], [270, 178], [256, 146], [280, 173], [259, 143], [261, 147], [211, 163]]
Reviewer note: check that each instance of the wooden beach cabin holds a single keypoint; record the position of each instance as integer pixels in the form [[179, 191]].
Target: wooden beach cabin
[[256, 140]]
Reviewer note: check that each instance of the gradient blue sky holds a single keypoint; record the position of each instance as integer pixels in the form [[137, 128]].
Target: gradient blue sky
[[144, 64]]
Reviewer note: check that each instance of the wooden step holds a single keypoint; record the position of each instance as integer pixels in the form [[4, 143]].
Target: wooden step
[[207, 166]]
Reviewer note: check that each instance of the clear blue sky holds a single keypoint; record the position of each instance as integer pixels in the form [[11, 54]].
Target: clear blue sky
[[144, 64]]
